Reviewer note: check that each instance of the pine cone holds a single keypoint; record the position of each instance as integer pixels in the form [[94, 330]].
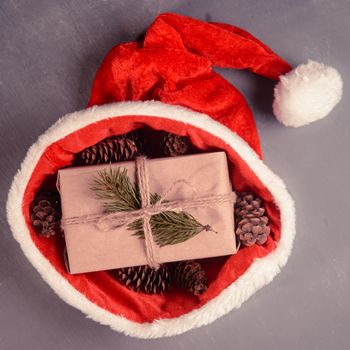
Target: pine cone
[[145, 278], [175, 145], [46, 214], [252, 226], [115, 149], [190, 276], [248, 205]]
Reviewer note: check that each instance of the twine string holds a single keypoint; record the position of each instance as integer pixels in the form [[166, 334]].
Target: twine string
[[142, 177]]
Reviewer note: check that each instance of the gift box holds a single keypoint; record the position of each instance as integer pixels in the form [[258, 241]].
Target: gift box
[[189, 212]]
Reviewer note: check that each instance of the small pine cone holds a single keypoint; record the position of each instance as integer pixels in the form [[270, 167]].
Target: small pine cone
[[248, 205], [145, 278], [253, 230], [116, 149], [252, 226], [175, 145], [190, 276], [46, 214]]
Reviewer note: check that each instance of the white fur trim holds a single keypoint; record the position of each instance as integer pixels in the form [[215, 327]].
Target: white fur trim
[[261, 272], [307, 93]]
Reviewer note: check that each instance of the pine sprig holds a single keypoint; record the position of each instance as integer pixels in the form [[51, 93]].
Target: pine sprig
[[170, 227], [120, 194], [115, 187]]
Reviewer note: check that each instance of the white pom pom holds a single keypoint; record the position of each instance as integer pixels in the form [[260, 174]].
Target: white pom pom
[[306, 94]]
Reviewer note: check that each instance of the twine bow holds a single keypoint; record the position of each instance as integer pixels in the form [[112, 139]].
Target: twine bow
[[109, 221]]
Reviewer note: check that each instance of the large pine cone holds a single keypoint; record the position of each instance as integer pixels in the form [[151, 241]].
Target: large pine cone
[[175, 145], [46, 214], [145, 278], [252, 226], [190, 276], [115, 149]]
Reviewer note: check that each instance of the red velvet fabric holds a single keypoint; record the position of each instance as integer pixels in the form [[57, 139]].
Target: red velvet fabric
[[173, 65]]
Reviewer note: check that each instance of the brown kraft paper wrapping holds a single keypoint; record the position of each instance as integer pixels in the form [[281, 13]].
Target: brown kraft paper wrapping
[[91, 249]]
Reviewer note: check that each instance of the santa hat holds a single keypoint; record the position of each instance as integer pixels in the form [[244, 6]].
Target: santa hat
[[174, 65]]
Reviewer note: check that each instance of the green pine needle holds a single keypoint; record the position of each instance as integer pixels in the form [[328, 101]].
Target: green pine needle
[[119, 194], [169, 227], [115, 187]]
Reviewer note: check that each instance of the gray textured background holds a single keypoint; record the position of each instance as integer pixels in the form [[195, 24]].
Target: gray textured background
[[49, 52]]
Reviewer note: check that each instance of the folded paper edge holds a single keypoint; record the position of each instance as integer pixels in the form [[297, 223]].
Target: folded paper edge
[[260, 273]]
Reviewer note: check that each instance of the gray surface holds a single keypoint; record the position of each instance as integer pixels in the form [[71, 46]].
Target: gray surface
[[49, 52]]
